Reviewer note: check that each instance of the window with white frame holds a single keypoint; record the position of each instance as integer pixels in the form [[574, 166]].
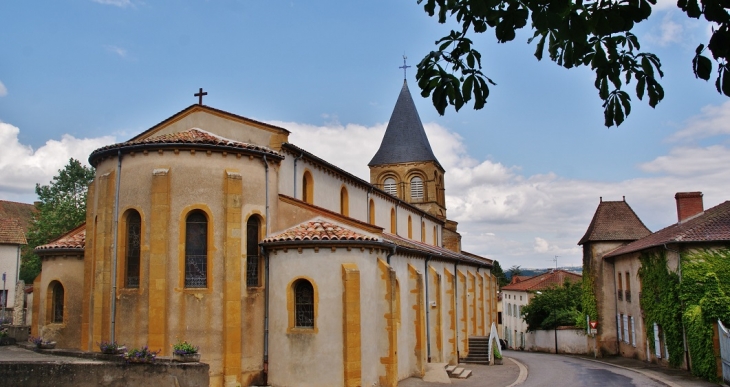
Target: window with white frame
[[390, 186], [416, 188]]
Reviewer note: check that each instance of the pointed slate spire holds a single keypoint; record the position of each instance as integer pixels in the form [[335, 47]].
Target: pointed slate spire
[[405, 139]]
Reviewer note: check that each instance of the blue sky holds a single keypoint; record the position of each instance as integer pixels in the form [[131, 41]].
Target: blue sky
[[524, 174]]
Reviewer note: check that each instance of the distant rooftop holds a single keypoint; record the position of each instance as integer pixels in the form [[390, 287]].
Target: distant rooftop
[[543, 281], [614, 221]]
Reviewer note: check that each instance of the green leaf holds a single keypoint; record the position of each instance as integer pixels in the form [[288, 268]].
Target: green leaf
[[702, 67]]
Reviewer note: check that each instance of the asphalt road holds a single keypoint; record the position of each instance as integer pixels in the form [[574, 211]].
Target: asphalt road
[[551, 370]]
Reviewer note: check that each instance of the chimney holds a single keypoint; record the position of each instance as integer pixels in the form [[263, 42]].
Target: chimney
[[689, 204]]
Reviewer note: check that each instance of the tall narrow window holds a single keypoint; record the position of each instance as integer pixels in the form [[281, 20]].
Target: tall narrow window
[[308, 188], [304, 304], [393, 225], [620, 291], [423, 232], [390, 187], [344, 202], [252, 252], [196, 250], [416, 188], [57, 302], [372, 211], [410, 228], [134, 239], [435, 237], [628, 287]]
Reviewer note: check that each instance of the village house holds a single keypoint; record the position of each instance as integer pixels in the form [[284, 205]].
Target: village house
[[211, 227]]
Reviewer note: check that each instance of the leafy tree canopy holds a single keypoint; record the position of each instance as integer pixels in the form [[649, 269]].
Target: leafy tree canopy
[[554, 307], [61, 208], [499, 273], [514, 270], [594, 33]]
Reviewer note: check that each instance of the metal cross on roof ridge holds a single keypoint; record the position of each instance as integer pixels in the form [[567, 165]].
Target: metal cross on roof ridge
[[200, 95], [404, 67]]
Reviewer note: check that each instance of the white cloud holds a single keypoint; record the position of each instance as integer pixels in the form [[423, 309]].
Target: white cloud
[[21, 167], [116, 3], [3, 90], [712, 121], [667, 32], [116, 50]]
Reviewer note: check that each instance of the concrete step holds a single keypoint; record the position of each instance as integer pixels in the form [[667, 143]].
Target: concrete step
[[456, 372], [450, 369], [464, 375]]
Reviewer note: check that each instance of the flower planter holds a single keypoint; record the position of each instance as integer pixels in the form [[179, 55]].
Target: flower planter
[[115, 351], [186, 357]]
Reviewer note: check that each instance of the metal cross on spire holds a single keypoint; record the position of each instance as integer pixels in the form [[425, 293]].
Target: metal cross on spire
[[200, 95], [404, 67]]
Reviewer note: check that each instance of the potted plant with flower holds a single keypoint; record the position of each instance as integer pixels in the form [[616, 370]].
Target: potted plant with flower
[[141, 355], [497, 354], [112, 348], [182, 351], [42, 344]]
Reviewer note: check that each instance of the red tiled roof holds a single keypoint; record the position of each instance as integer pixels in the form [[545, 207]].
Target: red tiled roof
[[74, 239], [711, 226], [614, 221], [319, 230], [544, 281], [11, 233], [21, 211], [192, 136]]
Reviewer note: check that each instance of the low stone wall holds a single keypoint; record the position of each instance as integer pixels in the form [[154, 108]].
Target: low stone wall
[[44, 374], [570, 341]]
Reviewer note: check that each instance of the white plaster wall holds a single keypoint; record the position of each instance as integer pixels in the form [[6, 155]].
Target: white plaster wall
[[9, 266], [630, 264], [570, 341]]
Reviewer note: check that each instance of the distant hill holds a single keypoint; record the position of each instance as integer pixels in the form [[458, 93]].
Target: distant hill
[[534, 272]]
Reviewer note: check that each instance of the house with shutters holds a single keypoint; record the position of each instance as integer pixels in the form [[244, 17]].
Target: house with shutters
[[613, 247], [15, 219]]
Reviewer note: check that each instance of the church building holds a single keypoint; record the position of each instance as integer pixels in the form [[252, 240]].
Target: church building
[[286, 270]]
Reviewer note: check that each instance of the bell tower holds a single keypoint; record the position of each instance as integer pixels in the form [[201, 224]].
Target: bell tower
[[404, 165]]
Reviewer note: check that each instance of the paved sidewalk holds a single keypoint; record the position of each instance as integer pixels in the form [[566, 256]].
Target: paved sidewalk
[[482, 376], [669, 376], [12, 353]]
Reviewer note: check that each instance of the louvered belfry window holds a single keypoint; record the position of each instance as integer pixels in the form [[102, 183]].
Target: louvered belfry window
[[134, 231], [196, 250], [304, 304], [416, 188], [252, 252], [390, 187]]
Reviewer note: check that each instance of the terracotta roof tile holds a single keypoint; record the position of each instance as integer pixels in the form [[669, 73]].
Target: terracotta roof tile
[[614, 221], [21, 211], [11, 232], [713, 225], [319, 230], [74, 239], [188, 137], [544, 281]]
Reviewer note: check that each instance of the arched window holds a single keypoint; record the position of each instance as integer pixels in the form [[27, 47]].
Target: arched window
[[303, 304], [344, 202], [410, 228], [196, 250], [252, 253], [393, 225], [390, 187], [423, 232], [416, 188], [132, 253], [372, 211], [308, 188], [435, 237], [57, 298]]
